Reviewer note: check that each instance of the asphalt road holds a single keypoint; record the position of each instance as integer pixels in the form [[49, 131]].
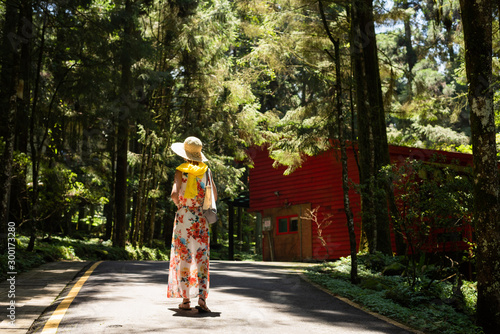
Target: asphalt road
[[245, 297]]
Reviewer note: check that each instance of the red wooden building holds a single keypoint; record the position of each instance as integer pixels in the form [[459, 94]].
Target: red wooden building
[[282, 200]]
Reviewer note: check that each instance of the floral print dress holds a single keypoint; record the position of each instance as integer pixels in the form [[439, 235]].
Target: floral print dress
[[188, 275]]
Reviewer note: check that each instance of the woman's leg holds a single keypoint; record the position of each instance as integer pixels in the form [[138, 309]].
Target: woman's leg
[[202, 304], [185, 304]]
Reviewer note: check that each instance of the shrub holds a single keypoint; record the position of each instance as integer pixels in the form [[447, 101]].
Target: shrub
[[434, 205], [424, 306], [58, 248]]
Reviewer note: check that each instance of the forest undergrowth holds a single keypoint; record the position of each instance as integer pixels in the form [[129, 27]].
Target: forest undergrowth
[[58, 248], [431, 305]]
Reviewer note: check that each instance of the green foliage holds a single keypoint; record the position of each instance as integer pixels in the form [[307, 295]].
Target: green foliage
[[428, 310], [426, 97], [237, 75], [434, 216], [293, 74]]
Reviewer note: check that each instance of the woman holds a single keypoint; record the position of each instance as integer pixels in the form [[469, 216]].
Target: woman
[[189, 258]]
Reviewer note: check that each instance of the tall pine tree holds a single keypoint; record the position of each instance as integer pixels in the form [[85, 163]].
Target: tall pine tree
[[477, 19]]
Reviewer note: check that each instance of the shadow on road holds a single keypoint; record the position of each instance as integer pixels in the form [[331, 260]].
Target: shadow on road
[[193, 313], [245, 297]]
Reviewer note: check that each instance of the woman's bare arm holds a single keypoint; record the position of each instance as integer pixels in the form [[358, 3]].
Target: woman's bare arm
[[176, 187]]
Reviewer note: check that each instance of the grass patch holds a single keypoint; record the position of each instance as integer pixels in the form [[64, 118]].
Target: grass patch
[[64, 248], [429, 308]]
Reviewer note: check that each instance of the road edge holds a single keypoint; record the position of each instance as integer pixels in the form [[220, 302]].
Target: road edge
[[38, 324], [358, 306]]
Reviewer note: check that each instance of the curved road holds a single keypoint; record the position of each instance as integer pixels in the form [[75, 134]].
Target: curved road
[[245, 297]]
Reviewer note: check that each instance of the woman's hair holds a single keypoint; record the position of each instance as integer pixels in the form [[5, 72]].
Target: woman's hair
[[192, 162]]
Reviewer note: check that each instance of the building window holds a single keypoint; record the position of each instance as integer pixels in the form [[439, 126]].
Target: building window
[[288, 224]]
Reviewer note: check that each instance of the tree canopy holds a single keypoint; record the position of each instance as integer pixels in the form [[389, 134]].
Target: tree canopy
[[94, 92]]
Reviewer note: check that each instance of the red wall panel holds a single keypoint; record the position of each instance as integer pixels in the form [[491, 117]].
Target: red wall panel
[[318, 182]]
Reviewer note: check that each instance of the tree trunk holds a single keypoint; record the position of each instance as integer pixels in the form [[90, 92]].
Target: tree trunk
[[230, 222], [81, 217], [143, 189], [411, 56], [36, 150], [345, 169], [19, 206], [123, 129], [148, 185], [477, 20], [9, 81], [152, 220], [109, 207], [240, 228], [133, 226], [121, 184], [343, 152], [372, 140]]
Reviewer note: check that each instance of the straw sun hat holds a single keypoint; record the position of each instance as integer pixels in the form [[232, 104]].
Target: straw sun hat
[[190, 149]]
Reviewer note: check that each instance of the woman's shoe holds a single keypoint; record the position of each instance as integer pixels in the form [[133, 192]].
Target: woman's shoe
[[202, 307], [185, 307]]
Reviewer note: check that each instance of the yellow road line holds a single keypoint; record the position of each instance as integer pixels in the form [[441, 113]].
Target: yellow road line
[[53, 323]]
